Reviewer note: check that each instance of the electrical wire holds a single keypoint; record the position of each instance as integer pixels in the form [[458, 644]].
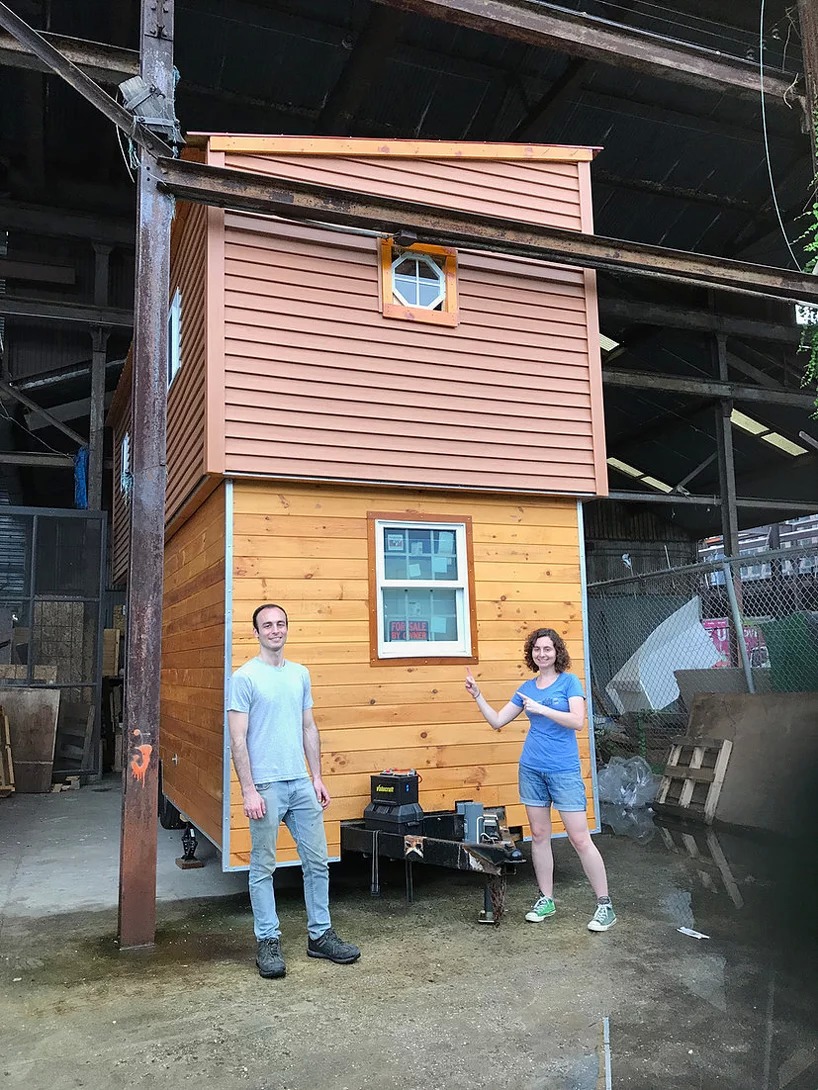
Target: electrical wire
[[28, 431], [773, 193], [122, 153]]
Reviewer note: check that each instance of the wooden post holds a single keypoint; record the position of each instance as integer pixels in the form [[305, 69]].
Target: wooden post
[[137, 876]]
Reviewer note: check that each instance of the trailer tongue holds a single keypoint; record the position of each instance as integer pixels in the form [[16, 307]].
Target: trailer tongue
[[469, 838]]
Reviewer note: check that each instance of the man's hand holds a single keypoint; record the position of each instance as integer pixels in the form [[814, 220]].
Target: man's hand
[[321, 792], [254, 806]]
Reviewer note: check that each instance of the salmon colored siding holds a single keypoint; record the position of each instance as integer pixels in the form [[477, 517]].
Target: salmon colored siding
[[530, 192], [187, 415], [186, 396], [192, 685], [319, 384], [307, 547]]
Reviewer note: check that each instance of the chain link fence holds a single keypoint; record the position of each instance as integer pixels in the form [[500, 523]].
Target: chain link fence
[[743, 624]]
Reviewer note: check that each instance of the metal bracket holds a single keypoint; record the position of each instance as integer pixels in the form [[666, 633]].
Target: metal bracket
[[158, 29]]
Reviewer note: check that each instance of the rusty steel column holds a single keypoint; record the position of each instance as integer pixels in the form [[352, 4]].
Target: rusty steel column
[[808, 22], [137, 874]]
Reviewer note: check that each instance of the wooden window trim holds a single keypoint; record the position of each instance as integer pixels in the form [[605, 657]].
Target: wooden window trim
[[449, 315], [372, 518]]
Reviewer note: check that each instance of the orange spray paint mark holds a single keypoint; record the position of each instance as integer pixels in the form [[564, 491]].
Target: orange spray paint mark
[[140, 758]]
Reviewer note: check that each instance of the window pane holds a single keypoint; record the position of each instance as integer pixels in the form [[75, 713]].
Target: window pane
[[428, 294], [418, 281], [444, 555], [425, 615]]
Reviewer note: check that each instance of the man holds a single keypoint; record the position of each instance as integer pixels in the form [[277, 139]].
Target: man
[[272, 731]]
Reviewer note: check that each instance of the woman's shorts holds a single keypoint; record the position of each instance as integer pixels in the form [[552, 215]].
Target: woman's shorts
[[564, 790]]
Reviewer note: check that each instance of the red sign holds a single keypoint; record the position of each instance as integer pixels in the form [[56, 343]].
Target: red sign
[[418, 630], [718, 629]]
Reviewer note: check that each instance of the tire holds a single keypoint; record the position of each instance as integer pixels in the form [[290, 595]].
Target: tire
[[169, 816]]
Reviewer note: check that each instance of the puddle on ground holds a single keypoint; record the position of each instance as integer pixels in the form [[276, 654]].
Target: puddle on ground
[[746, 995]]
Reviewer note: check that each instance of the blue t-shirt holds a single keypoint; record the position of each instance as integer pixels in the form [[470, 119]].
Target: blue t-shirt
[[548, 746], [275, 699]]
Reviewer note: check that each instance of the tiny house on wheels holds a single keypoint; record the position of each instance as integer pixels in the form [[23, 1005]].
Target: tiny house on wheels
[[392, 441]]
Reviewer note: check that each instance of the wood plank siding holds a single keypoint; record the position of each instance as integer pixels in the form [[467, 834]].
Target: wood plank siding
[[319, 384], [192, 688], [306, 546], [187, 392]]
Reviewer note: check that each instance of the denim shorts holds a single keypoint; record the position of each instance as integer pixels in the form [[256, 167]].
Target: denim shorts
[[564, 790]]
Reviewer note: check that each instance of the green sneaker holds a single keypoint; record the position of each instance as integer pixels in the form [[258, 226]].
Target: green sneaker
[[543, 908], [604, 918]]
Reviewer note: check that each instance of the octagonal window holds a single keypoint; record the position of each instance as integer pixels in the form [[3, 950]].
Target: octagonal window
[[418, 281]]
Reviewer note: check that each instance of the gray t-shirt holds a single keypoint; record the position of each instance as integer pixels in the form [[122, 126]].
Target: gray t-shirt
[[275, 698]]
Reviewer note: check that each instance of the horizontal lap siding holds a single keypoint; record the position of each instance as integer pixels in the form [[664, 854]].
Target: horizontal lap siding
[[306, 547], [192, 687], [186, 396], [528, 192], [319, 384]]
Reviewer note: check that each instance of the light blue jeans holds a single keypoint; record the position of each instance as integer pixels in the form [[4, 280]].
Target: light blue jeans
[[294, 803]]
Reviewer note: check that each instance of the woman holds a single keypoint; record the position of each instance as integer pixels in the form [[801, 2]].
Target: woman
[[549, 767]]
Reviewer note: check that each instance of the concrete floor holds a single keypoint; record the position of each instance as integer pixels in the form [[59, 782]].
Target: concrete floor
[[436, 1001]]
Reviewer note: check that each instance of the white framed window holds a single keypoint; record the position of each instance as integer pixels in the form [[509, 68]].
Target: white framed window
[[422, 588], [174, 336], [418, 281], [125, 475]]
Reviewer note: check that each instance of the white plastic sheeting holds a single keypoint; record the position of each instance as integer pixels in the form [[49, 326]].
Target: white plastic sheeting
[[646, 681]]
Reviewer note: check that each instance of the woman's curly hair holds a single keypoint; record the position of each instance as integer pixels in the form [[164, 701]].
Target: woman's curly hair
[[563, 659]]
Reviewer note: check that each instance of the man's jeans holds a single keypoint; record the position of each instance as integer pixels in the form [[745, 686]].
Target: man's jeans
[[293, 802]]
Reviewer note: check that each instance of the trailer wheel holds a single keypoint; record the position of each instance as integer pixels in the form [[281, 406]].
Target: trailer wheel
[[169, 816]]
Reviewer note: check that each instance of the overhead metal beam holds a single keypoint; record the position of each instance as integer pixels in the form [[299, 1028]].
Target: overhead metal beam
[[661, 114], [53, 310], [24, 399], [37, 219], [35, 272], [561, 91], [63, 374], [38, 461], [60, 65], [598, 40], [69, 410], [107, 64], [663, 316], [367, 61], [248, 192], [606, 179], [705, 387], [805, 506]]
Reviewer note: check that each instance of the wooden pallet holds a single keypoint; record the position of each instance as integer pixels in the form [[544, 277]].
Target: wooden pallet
[[693, 778], [6, 763]]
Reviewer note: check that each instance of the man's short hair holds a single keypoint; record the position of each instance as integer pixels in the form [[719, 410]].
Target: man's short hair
[[269, 605]]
